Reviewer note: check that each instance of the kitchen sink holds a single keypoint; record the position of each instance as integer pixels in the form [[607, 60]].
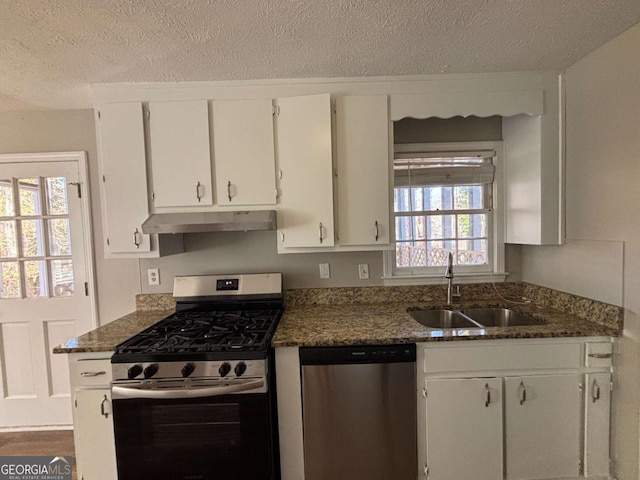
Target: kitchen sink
[[443, 319], [472, 318], [499, 317]]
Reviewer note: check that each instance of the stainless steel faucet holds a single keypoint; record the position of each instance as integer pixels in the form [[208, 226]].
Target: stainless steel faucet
[[449, 276]]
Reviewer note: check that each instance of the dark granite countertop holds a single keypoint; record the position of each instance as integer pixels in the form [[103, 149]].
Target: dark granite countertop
[[378, 315], [324, 325], [105, 338]]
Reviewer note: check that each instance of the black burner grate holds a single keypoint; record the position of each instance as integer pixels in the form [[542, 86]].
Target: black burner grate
[[205, 331]]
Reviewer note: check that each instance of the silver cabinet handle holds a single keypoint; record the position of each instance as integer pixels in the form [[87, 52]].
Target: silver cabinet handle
[[600, 355], [198, 195], [229, 190], [377, 230], [136, 242], [595, 391], [103, 410], [487, 390], [523, 393], [92, 374], [320, 230]]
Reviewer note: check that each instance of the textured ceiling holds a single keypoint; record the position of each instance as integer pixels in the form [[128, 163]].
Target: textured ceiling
[[50, 51]]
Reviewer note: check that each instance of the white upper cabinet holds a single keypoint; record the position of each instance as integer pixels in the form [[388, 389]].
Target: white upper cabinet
[[180, 153], [362, 150], [305, 213], [123, 172], [244, 158], [534, 164]]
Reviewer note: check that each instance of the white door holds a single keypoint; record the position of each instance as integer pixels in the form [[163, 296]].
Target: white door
[[43, 297], [362, 145], [123, 172], [305, 215], [542, 422], [180, 153], [597, 425], [96, 446], [464, 429], [244, 152]]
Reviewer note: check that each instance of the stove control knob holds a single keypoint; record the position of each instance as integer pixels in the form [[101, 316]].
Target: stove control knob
[[151, 370], [224, 369], [187, 369], [134, 371], [241, 367]]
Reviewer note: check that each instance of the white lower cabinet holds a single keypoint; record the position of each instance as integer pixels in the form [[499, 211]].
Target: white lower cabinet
[[92, 416], [464, 429], [495, 410], [597, 411], [542, 426]]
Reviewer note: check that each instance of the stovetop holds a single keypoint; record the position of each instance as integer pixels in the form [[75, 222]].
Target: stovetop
[[203, 335]]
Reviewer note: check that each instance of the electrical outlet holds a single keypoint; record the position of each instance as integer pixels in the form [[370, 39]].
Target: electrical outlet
[[363, 271], [324, 270], [153, 276]]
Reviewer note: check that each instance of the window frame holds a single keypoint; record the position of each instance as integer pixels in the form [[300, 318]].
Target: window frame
[[494, 272]]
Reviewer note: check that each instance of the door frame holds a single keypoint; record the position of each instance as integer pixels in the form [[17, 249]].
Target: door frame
[[80, 158]]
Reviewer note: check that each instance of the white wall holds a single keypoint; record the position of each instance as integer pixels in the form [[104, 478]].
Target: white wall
[[603, 213], [73, 130]]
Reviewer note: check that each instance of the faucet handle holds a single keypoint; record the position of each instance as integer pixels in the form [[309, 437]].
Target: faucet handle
[[456, 293]]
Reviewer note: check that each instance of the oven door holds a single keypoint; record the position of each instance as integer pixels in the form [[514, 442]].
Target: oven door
[[205, 430]]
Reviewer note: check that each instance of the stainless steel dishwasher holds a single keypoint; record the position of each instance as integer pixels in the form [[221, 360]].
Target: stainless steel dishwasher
[[359, 412]]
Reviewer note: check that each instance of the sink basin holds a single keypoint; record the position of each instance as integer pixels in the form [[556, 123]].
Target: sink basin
[[499, 317], [442, 319]]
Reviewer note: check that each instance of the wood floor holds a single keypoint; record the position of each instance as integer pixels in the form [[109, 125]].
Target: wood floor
[[51, 442]]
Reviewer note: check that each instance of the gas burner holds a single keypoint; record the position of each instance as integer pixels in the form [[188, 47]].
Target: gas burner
[[205, 331]]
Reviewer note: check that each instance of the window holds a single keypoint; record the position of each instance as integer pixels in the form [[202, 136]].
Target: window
[[447, 200]]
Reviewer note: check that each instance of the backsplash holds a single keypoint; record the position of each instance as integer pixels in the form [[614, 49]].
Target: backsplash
[[404, 294], [591, 310], [601, 313]]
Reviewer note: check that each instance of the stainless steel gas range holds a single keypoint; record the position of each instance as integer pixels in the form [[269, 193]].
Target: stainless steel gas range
[[194, 394]]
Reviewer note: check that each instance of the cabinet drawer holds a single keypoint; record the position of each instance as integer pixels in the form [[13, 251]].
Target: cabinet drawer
[[599, 354], [90, 372], [501, 357]]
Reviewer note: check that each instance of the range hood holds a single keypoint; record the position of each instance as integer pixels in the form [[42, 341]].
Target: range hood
[[210, 222]]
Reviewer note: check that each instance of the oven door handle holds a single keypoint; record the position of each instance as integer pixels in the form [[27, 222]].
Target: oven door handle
[[132, 392]]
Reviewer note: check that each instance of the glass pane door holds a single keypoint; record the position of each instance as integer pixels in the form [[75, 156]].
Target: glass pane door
[[35, 238]]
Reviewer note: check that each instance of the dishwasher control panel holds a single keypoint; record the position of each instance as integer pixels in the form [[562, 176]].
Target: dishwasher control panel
[[358, 354]]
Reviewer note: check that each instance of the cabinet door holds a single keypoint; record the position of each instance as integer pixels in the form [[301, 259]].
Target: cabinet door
[[124, 177], [464, 429], [542, 426], [305, 215], [95, 450], [362, 144], [597, 425], [244, 152], [180, 154]]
